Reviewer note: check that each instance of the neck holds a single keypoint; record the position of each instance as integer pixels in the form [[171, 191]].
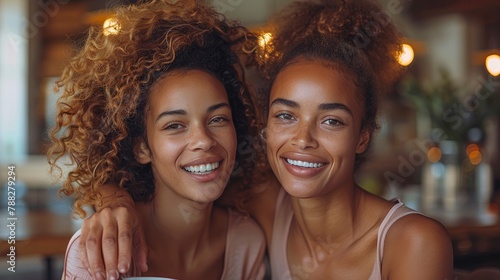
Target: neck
[[329, 219], [179, 225]]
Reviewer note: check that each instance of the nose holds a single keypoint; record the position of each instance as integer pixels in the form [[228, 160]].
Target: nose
[[304, 137], [200, 138]]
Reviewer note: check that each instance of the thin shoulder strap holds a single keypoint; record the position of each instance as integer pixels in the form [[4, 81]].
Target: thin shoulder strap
[[395, 213]]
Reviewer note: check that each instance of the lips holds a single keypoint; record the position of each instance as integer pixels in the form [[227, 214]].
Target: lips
[[302, 165]]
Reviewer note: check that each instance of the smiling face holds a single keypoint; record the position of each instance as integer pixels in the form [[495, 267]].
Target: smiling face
[[191, 137], [314, 129]]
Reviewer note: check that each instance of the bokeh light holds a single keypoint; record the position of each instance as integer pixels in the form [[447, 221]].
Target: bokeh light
[[475, 157], [264, 39], [111, 26], [407, 55], [471, 148], [434, 154], [493, 64]]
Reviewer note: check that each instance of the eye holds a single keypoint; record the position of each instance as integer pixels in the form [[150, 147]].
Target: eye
[[219, 120], [284, 116], [333, 122], [173, 126]]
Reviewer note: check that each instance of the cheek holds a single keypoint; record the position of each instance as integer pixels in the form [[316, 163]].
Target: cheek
[[227, 139], [166, 149], [275, 138], [169, 152], [231, 145], [270, 136], [343, 144]]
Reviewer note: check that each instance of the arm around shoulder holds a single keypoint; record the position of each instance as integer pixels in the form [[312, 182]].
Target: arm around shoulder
[[418, 247], [113, 196]]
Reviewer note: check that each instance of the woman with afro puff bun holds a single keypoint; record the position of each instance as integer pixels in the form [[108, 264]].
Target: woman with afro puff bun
[[326, 65], [159, 108]]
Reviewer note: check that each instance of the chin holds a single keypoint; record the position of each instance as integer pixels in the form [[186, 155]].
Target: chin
[[210, 193], [300, 190]]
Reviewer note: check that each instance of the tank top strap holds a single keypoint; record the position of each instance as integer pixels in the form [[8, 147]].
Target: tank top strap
[[398, 211]]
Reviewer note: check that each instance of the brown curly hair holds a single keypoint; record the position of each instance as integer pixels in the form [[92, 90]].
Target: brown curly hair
[[350, 36], [361, 24], [105, 93]]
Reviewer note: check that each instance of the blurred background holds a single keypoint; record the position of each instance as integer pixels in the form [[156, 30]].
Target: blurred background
[[437, 149]]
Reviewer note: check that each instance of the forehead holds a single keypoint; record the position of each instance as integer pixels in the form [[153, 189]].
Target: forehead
[[315, 82], [187, 86]]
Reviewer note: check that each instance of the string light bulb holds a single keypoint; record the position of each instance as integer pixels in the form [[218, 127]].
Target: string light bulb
[[493, 64], [110, 26], [407, 55], [264, 39]]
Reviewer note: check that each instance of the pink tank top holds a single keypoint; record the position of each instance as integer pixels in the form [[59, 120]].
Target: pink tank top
[[282, 221], [244, 257]]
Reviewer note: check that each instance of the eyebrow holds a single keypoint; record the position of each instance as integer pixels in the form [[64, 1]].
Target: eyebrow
[[334, 106], [183, 112], [218, 106], [285, 102], [322, 106]]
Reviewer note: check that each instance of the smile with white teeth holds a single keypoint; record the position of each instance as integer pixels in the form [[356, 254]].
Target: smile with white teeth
[[304, 163], [202, 168]]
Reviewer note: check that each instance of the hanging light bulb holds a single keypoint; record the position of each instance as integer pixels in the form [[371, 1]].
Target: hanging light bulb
[[493, 64], [264, 39], [111, 26], [407, 55]]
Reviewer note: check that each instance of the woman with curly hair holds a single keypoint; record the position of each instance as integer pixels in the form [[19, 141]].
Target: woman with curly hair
[[159, 107], [326, 64]]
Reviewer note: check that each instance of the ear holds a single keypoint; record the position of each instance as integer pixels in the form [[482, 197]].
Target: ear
[[364, 140], [141, 151]]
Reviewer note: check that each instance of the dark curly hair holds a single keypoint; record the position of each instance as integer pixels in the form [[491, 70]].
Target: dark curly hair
[[101, 111], [349, 36]]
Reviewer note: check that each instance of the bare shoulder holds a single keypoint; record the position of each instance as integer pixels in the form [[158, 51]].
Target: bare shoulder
[[415, 228], [417, 247]]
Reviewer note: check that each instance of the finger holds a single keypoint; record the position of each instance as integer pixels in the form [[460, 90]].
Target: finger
[[82, 250], [125, 245], [92, 248], [109, 243]]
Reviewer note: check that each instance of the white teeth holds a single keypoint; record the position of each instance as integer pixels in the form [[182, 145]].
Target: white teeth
[[304, 163], [202, 168]]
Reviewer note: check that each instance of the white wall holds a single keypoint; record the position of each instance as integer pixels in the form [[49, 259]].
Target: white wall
[[13, 80], [446, 40]]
